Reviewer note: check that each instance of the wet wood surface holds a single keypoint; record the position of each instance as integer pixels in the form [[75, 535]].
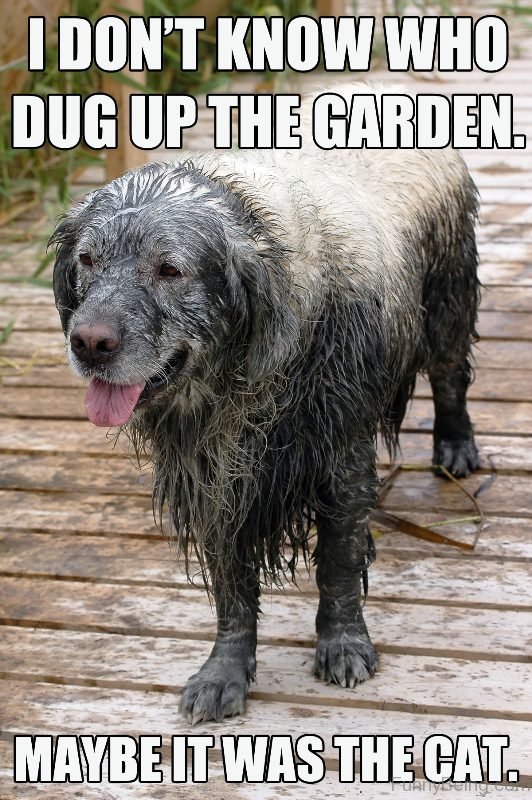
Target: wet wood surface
[[100, 629]]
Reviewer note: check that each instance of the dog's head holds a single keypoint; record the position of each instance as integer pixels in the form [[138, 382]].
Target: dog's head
[[162, 282]]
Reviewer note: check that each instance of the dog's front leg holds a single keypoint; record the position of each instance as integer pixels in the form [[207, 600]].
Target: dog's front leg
[[221, 686], [344, 652]]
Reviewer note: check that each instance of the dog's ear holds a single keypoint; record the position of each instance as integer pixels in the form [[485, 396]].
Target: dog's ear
[[64, 271], [64, 238], [260, 291]]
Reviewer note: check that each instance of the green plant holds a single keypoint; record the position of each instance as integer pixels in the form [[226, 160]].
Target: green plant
[[27, 175], [172, 80], [260, 8], [34, 173], [6, 331]]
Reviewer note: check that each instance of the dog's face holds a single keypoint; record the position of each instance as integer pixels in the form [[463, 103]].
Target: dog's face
[[154, 291], [140, 284]]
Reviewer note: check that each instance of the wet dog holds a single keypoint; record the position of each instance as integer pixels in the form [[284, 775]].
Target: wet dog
[[254, 320]]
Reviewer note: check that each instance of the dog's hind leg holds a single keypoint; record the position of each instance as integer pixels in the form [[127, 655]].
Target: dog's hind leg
[[450, 298], [454, 443], [221, 686], [344, 652]]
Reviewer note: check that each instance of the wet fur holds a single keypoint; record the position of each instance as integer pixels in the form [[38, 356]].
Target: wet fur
[[312, 303]]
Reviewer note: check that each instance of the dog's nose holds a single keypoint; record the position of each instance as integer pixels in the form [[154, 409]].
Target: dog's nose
[[94, 343]]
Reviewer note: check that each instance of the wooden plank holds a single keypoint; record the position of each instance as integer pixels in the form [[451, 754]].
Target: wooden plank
[[218, 789], [500, 452], [13, 791], [20, 346], [43, 465], [42, 472], [328, 789], [118, 476], [105, 558], [130, 517], [412, 684], [490, 384], [186, 614], [500, 537], [507, 298], [485, 177], [21, 264], [47, 708], [503, 355], [330, 8], [503, 325], [469, 79], [425, 491], [518, 214], [503, 230], [449, 581], [394, 576], [58, 473], [492, 324], [59, 436], [64, 436], [30, 317], [25, 294], [75, 512], [487, 416], [514, 269], [507, 196], [47, 347], [46, 376], [510, 159], [44, 403]]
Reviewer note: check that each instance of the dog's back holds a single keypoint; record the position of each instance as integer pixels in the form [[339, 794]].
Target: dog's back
[[398, 223]]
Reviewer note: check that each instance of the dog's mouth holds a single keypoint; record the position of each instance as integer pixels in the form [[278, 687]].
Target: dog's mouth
[[112, 404], [162, 379]]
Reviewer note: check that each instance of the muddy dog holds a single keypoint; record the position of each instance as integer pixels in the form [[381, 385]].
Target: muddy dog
[[253, 320]]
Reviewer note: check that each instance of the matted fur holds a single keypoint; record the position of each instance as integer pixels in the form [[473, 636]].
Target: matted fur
[[322, 283]]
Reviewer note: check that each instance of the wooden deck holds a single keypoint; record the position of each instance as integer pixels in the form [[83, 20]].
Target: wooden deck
[[100, 629]]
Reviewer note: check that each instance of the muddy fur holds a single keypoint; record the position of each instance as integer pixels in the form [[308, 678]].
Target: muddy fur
[[315, 287]]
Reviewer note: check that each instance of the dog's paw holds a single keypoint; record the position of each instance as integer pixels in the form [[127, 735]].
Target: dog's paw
[[345, 659], [459, 457], [217, 691]]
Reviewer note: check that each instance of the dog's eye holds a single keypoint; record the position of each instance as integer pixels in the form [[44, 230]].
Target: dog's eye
[[85, 259], [169, 271]]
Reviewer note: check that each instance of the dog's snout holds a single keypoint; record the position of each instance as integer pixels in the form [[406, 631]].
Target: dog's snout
[[94, 343]]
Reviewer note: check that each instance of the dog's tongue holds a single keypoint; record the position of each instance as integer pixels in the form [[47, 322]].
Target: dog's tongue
[[109, 404]]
